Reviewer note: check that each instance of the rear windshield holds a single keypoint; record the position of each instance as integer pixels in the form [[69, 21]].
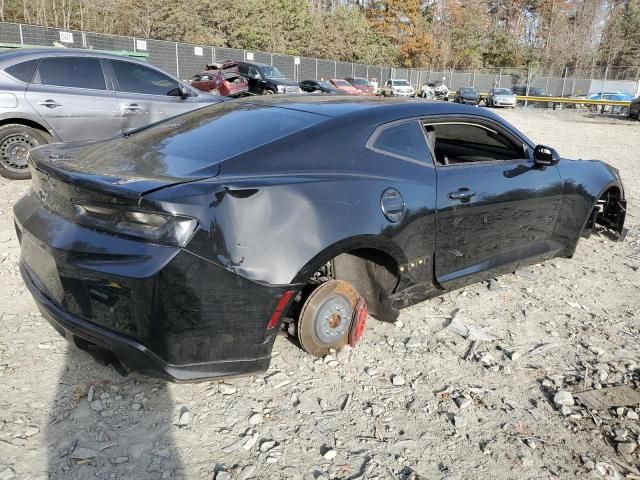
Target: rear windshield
[[342, 83], [211, 134], [502, 91], [469, 91], [400, 83], [361, 81]]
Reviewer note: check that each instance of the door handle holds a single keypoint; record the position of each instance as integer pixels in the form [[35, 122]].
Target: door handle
[[134, 107], [461, 194], [49, 103]]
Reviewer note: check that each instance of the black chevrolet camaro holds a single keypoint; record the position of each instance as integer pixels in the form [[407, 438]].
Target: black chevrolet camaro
[[183, 247]]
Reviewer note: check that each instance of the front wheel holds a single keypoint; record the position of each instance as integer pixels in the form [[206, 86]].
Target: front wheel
[[15, 142], [269, 92], [332, 316]]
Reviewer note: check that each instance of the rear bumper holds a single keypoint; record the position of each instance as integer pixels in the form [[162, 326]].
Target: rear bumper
[[131, 354], [160, 310]]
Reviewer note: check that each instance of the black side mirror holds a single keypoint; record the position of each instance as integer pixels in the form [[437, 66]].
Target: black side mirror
[[543, 155], [184, 92]]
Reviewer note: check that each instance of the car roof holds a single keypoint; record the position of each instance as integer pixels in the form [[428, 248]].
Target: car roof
[[11, 56], [379, 109], [257, 64]]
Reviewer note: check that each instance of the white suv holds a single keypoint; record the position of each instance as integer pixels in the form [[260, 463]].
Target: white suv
[[397, 87]]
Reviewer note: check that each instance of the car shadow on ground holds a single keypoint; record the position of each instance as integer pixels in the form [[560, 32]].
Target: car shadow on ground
[[103, 425]]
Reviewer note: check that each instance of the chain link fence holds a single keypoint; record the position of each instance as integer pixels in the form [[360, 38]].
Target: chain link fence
[[184, 60]]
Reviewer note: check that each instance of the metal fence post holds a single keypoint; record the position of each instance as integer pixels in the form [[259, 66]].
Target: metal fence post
[[564, 80], [606, 71], [429, 79], [500, 78], [84, 40], [473, 79], [213, 54], [177, 62], [316, 77], [367, 77], [272, 59], [335, 69], [21, 37]]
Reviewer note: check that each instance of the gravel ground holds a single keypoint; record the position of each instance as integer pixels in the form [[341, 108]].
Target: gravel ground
[[404, 404]]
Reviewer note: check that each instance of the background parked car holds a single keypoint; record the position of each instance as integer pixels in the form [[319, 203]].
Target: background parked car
[[266, 79], [362, 84], [468, 95], [344, 86], [319, 86], [398, 87], [221, 79], [615, 96], [634, 108], [501, 97], [521, 90], [68, 95]]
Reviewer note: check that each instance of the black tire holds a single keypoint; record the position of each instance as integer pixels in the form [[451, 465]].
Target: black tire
[[15, 142], [268, 91], [318, 333]]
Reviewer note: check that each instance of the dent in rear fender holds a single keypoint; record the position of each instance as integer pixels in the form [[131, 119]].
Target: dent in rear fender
[[584, 181], [268, 229]]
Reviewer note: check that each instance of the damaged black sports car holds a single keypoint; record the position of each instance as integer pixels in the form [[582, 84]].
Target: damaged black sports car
[[183, 247]]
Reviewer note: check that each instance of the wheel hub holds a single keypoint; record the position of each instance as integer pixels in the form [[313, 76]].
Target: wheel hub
[[333, 319]]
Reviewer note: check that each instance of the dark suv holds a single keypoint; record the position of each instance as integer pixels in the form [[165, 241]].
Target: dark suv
[[266, 79]]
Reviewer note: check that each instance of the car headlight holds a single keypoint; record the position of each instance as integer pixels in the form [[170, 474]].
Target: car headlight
[[281, 88], [162, 228]]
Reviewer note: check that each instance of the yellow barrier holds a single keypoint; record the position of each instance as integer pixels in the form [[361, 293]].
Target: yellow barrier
[[574, 101]]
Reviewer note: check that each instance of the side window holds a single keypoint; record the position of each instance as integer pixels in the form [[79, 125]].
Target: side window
[[22, 71], [455, 143], [253, 72], [134, 78], [243, 69], [71, 72], [405, 140]]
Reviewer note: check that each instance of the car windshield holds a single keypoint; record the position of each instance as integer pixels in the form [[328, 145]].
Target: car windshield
[[271, 72], [400, 83], [502, 91], [361, 81], [342, 83]]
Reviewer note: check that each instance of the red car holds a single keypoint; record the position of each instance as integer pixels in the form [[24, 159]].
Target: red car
[[221, 79], [344, 86], [363, 85]]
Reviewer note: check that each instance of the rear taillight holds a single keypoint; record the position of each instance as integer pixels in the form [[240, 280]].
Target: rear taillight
[[156, 227], [277, 313]]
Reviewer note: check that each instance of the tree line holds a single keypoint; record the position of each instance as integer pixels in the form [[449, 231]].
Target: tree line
[[548, 34]]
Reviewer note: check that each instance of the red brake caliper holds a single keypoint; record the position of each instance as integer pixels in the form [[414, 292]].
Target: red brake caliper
[[358, 322]]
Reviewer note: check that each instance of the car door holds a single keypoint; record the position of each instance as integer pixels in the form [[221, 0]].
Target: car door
[[146, 95], [495, 207], [73, 96]]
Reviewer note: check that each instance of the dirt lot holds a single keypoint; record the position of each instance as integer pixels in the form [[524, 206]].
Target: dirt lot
[[403, 404]]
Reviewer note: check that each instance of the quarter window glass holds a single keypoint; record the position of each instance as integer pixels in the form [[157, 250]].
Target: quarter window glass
[[455, 143], [406, 140], [22, 71], [134, 78], [71, 72]]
